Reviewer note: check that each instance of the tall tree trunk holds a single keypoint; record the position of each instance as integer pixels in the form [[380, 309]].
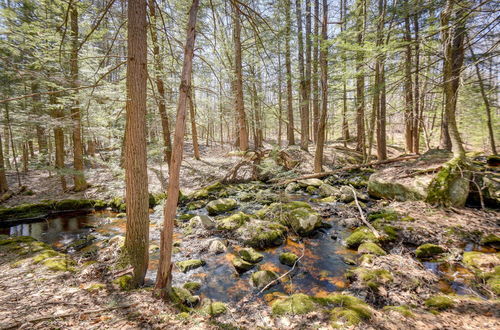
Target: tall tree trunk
[[408, 85], [194, 133], [40, 131], [379, 97], [308, 66], [318, 156], [7, 139], [280, 98], [164, 276], [78, 176], [4, 186], [304, 100], [136, 176], [315, 84], [360, 78], [345, 124], [486, 103], [416, 109], [24, 147], [238, 73], [160, 86], [453, 35], [290, 129], [58, 115]]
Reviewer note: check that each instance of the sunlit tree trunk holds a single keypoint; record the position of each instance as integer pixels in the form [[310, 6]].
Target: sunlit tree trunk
[[290, 129], [4, 186], [58, 115], [318, 157], [78, 176], [345, 125], [315, 84], [238, 73], [160, 86], [417, 113], [136, 177], [194, 132], [408, 85], [360, 78], [304, 100], [164, 276]]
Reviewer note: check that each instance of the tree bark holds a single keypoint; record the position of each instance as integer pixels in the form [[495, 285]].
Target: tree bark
[[408, 85], [288, 63], [136, 177], [318, 156], [160, 86], [164, 276], [304, 100], [453, 34], [416, 109], [194, 133], [40, 131], [4, 186], [58, 115], [345, 124], [308, 66], [360, 78], [238, 73], [315, 84], [78, 176]]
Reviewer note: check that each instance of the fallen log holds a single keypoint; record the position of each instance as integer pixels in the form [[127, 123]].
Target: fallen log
[[349, 168], [7, 195]]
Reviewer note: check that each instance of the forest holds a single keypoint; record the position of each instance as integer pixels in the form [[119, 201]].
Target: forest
[[249, 164]]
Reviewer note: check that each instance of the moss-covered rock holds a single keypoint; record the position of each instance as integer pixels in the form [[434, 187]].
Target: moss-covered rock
[[482, 262], [293, 305], [203, 220], [490, 240], [262, 278], [221, 205], [95, 287], [373, 278], [206, 191], [123, 282], [493, 280], [326, 190], [195, 205], [233, 221], [262, 234], [385, 214], [184, 297], [188, 265], [347, 310], [27, 211], [310, 182], [73, 204], [278, 211], [118, 204], [450, 186], [371, 248], [428, 250], [250, 255], [360, 235], [439, 302], [303, 220], [217, 246], [215, 308], [241, 265], [329, 199], [288, 258], [192, 286]]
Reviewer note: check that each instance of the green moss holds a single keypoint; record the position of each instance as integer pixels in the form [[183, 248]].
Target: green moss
[[96, 287], [493, 280], [215, 308], [386, 214], [250, 255], [428, 251], [184, 297], [407, 219], [439, 302], [232, 222], [390, 233], [74, 204], [262, 278], [195, 205], [118, 204], [278, 211], [16, 240], [270, 234], [373, 278], [360, 235], [403, 310], [158, 198], [371, 248], [293, 305], [241, 265], [188, 265], [206, 191], [221, 205], [46, 254], [490, 239], [124, 282], [192, 286], [329, 199], [441, 189], [26, 211], [59, 264], [347, 309], [288, 258]]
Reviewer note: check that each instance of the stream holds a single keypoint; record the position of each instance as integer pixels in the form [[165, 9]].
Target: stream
[[321, 268]]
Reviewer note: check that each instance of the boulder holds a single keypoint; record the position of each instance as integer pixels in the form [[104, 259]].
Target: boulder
[[206, 221], [232, 222], [217, 247], [250, 255], [188, 265], [261, 234], [296, 304], [215, 308], [310, 182], [304, 221], [428, 250], [288, 258], [359, 236], [184, 297], [241, 265], [326, 190], [221, 205], [371, 248], [262, 278]]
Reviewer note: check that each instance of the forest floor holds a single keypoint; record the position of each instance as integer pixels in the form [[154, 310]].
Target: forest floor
[[82, 294]]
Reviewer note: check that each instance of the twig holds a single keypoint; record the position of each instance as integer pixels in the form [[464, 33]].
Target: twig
[[285, 274], [375, 232], [43, 318], [348, 168]]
